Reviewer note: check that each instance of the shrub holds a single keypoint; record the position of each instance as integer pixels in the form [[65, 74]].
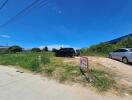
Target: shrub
[[26, 60], [48, 70], [15, 49], [30, 62], [54, 50], [45, 60], [36, 50], [45, 49], [101, 80], [126, 43]]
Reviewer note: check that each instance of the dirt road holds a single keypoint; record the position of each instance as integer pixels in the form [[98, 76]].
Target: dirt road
[[123, 71], [28, 86]]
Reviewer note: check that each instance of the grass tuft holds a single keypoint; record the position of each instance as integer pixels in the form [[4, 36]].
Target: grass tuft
[[101, 80]]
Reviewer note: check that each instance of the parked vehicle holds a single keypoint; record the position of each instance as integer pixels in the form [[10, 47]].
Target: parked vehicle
[[123, 54], [65, 52], [77, 52]]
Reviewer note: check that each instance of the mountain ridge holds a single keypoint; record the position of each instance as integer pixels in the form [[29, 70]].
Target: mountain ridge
[[114, 41]]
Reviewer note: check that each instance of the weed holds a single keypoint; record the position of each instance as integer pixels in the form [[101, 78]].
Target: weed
[[101, 80], [48, 70], [26, 60]]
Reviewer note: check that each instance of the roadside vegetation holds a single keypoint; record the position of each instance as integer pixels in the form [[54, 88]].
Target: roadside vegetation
[[103, 49], [31, 61], [65, 70]]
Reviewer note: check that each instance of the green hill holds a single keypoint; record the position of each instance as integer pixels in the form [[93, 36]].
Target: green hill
[[119, 39], [103, 49]]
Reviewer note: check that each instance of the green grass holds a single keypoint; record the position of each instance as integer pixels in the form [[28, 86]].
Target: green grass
[[101, 80], [48, 70], [29, 61]]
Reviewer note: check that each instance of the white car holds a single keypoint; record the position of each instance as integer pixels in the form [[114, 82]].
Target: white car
[[123, 54]]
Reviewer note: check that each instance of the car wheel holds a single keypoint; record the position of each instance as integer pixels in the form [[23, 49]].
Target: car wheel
[[125, 60]]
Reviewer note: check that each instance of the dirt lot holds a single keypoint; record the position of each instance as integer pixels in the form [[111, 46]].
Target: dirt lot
[[123, 71]]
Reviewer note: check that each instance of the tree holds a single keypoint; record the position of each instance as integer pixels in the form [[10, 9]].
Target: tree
[[45, 48], [54, 50], [126, 43], [15, 49], [36, 50]]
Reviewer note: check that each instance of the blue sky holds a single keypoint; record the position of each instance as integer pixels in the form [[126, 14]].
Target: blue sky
[[75, 23]]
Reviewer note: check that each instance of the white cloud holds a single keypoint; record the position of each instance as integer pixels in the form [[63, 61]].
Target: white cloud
[[5, 36], [56, 46]]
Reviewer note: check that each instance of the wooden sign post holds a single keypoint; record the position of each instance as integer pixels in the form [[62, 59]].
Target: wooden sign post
[[84, 67]]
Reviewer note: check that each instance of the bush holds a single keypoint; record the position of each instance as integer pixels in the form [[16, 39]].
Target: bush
[[126, 43], [45, 60], [54, 50], [45, 49], [101, 80], [15, 49], [26, 60], [48, 70], [36, 50], [30, 62]]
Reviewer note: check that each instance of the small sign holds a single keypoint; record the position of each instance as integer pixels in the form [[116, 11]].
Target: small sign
[[84, 64]]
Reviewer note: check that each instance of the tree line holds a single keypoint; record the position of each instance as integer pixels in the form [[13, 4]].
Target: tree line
[[17, 48]]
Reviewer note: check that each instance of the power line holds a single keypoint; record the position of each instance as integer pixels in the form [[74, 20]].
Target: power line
[[40, 4], [4, 3], [29, 7], [43, 3]]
